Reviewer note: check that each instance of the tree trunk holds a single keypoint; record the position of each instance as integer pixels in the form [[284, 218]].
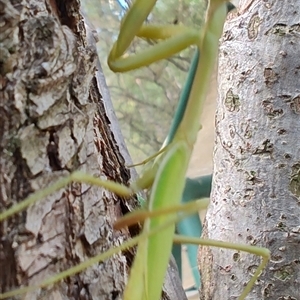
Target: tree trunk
[[256, 192], [56, 117]]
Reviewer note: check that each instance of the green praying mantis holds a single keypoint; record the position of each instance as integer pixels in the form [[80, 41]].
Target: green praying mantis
[[164, 177]]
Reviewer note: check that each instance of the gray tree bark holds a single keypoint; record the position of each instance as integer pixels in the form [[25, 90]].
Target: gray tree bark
[[56, 117], [256, 192]]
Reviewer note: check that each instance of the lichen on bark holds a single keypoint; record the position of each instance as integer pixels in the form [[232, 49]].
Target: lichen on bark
[[256, 151]]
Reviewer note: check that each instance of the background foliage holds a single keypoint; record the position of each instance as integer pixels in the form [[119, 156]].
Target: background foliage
[[145, 99]]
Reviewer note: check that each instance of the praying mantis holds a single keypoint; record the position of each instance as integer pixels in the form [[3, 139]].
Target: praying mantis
[[165, 176]]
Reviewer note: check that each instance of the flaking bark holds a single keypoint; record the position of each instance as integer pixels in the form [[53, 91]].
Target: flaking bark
[[56, 117]]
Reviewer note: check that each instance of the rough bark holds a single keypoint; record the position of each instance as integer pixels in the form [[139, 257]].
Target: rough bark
[[54, 120], [256, 192]]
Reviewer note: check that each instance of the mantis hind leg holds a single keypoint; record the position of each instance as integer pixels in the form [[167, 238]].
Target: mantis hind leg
[[187, 209], [259, 251]]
